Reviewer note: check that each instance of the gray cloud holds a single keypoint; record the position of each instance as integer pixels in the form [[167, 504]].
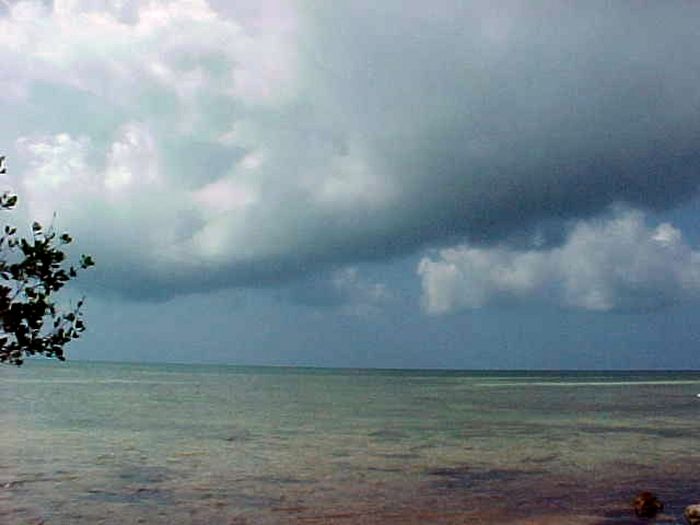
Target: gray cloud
[[493, 116], [344, 289], [191, 148]]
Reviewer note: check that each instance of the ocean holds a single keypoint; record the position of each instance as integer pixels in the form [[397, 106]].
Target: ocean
[[89, 443]]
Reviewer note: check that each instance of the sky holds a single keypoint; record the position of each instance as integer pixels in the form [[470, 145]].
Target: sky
[[469, 184]]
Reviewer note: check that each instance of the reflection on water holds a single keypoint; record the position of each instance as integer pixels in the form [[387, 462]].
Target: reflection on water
[[107, 443]]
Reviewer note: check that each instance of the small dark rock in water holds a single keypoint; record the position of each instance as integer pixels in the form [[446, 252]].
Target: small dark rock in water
[[646, 505], [692, 514]]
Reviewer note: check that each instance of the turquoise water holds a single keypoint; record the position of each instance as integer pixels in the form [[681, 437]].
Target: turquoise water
[[124, 443]]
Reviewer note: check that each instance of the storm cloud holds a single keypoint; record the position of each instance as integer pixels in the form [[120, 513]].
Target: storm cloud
[[192, 146]]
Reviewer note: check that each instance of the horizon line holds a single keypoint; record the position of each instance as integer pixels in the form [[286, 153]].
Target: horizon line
[[38, 359]]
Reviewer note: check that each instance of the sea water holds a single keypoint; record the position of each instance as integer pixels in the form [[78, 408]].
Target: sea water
[[85, 443]]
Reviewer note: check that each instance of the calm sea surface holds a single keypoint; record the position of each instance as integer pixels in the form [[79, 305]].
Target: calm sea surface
[[84, 443]]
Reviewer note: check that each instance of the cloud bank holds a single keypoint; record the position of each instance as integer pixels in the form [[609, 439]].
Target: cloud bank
[[618, 263], [192, 146], [344, 290]]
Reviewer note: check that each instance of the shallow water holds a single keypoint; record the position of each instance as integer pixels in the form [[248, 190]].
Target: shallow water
[[121, 443]]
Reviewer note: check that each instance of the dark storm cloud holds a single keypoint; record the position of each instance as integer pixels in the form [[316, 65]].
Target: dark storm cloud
[[492, 116], [339, 132]]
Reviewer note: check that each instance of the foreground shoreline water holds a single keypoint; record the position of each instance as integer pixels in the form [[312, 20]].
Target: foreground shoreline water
[[117, 443]]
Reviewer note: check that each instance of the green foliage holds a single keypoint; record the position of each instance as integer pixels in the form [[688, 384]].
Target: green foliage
[[32, 270]]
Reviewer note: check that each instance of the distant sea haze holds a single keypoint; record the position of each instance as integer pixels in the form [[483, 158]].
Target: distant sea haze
[[87, 443]]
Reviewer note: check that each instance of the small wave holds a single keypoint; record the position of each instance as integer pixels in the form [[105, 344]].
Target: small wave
[[588, 383], [96, 382]]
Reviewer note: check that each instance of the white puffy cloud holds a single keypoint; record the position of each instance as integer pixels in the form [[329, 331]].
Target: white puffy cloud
[[192, 145], [617, 263]]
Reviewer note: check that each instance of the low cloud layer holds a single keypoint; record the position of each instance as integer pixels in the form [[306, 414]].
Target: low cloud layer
[[344, 290], [192, 146], [618, 263]]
